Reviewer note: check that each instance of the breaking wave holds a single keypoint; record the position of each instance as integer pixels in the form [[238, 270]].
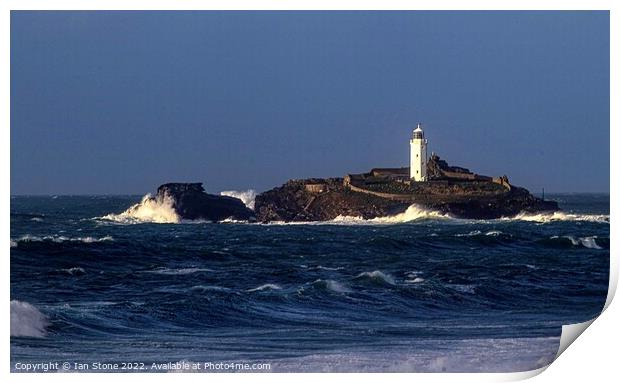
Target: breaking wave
[[57, 239], [559, 216], [377, 277], [267, 286], [150, 209], [589, 242], [247, 197], [474, 233], [75, 271], [27, 320], [413, 213], [415, 280], [184, 271]]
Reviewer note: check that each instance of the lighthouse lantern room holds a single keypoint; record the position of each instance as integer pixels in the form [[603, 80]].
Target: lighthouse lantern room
[[418, 155]]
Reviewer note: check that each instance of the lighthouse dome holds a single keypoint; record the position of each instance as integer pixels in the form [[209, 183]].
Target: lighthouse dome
[[418, 132]]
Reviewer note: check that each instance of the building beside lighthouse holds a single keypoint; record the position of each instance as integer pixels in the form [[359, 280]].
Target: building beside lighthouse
[[418, 159]]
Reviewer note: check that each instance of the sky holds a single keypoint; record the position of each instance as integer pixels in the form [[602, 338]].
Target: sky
[[121, 102]]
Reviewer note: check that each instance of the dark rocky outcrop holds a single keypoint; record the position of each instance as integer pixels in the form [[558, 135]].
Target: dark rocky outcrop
[[381, 192], [301, 200], [294, 202], [190, 201]]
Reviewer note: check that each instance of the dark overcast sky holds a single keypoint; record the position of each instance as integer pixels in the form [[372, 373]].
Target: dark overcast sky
[[120, 102]]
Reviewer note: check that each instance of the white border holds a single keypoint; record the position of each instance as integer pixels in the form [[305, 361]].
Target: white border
[[594, 356]]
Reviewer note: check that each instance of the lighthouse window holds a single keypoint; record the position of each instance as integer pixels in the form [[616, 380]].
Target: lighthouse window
[[416, 156]]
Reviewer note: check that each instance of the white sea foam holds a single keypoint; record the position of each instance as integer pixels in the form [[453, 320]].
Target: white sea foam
[[58, 239], [470, 234], [232, 220], [589, 242], [247, 196], [377, 276], [204, 288], [466, 355], [75, 270], [36, 219], [267, 286], [473, 233], [413, 213], [150, 209], [559, 216], [494, 233], [415, 280], [319, 267], [183, 271], [27, 320]]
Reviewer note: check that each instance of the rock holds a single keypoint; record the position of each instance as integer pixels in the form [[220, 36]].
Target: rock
[[451, 190], [293, 201], [190, 201]]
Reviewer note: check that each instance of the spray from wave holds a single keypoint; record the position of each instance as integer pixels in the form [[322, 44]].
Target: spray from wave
[[413, 213], [27, 320], [247, 197], [150, 209], [559, 216]]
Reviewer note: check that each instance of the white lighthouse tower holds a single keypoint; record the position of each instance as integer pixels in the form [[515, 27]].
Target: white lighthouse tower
[[418, 143]]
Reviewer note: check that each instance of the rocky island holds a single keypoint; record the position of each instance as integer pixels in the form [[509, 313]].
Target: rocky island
[[190, 201], [381, 192], [429, 183]]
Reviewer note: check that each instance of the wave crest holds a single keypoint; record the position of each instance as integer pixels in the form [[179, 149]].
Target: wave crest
[[27, 320], [377, 277], [559, 216], [149, 210], [413, 213], [57, 239], [266, 286], [589, 242]]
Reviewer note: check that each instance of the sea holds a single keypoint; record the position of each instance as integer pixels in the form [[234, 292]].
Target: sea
[[118, 283]]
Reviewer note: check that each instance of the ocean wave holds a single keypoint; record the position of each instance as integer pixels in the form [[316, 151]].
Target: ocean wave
[[331, 285], [319, 267], [75, 271], [27, 320], [377, 276], [149, 210], [247, 197], [474, 233], [415, 280], [57, 239], [589, 242], [266, 286], [413, 213], [558, 216], [203, 288], [182, 271], [469, 289]]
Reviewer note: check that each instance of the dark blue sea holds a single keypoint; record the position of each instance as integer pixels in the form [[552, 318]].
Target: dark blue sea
[[417, 292]]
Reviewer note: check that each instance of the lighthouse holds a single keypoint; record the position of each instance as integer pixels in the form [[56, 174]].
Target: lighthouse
[[418, 143]]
